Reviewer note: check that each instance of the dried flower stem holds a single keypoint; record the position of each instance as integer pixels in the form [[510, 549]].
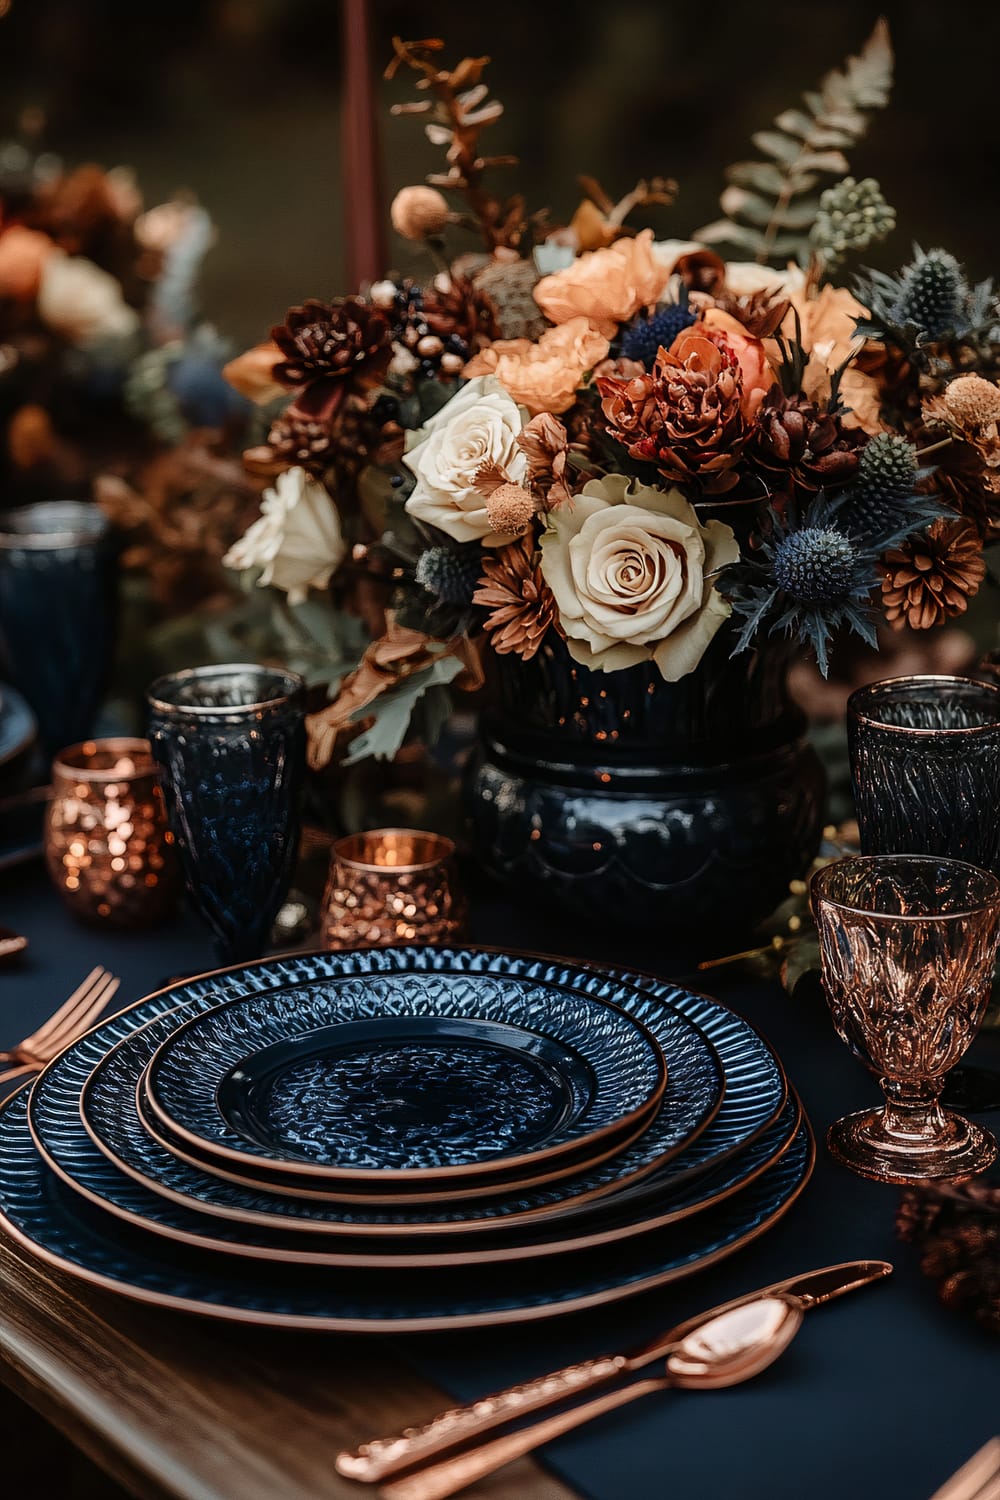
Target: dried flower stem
[[500, 225]]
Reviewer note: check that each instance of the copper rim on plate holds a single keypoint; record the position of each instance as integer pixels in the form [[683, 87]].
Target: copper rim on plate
[[222, 1312], [274, 1182], [499, 1174], [407, 1260]]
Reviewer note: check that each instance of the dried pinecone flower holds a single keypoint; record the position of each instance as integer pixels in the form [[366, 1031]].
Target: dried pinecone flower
[[686, 417], [333, 341], [509, 286], [299, 441], [798, 442], [419, 213], [522, 609], [931, 577], [510, 509]]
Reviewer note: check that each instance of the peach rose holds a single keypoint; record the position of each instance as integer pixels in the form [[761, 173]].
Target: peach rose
[[828, 336], [728, 333], [543, 376], [607, 287], [252, 373]]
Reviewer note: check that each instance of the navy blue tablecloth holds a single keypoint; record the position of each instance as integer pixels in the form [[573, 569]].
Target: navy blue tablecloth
[[882, 1395]]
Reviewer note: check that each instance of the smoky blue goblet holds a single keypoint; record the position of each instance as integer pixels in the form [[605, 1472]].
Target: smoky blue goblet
[[231, 744], [925, 763], [58, 605]]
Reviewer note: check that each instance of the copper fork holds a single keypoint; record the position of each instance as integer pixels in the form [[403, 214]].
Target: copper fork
[[75, 1016]]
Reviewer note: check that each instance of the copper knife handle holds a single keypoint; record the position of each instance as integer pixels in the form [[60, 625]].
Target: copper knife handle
[[453, 1474], [382, 1457]]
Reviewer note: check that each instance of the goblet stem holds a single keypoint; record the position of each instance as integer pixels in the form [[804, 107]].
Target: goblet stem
[[912, 1109]]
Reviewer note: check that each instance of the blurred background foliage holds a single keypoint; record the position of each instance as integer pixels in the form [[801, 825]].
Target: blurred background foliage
[[239, 101]]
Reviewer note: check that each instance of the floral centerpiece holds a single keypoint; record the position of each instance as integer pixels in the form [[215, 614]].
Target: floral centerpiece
[[624, 480]]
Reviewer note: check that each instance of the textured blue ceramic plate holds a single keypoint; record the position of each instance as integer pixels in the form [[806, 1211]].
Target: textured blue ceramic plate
[[755, 1092], [398, 1079], [649, 1205], [52, 1221]]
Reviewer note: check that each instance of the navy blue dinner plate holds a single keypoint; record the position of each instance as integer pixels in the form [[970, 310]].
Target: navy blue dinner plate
[[648, 1205], [755, 1093], [53, 1222], [403, 1079]]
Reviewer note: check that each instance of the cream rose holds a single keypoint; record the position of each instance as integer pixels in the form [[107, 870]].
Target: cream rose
[[81, 302], [478, 429], [297, 540], [627, 566]]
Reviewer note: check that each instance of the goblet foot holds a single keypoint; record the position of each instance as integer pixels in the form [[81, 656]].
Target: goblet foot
[[864, 1143]]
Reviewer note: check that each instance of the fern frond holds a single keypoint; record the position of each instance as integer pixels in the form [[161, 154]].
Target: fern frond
[[769, 206]]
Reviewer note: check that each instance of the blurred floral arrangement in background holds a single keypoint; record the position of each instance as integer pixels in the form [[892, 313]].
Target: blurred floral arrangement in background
[[575, 438], [109, 380]]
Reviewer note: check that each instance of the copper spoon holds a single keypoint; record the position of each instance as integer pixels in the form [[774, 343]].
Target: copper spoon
[[726, 1350]]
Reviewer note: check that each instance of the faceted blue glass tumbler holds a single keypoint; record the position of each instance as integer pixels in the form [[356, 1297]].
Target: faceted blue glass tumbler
[[231, 744]]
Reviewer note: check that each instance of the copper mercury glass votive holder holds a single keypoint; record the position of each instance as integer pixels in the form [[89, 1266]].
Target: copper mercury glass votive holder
[[391, 885], [108, 849]]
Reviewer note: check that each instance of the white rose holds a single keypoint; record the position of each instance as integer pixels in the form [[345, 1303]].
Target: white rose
[[297, 540], [81, 302], [627, 566], [478, 428]]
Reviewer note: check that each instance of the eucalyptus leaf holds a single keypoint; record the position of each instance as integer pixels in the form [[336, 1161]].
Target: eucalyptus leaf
[[391, 712], [776, 144], [794, 122], [725, 232], [762, 176], [804, 146], [825, 161], [738, 201], [800, 213]]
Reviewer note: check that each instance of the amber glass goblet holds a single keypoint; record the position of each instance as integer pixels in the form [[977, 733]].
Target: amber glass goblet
[[908, 944]]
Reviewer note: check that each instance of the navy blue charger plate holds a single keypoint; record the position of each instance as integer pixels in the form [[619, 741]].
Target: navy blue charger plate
[[392, 1080], [648, 1205], [54, 1223], [755, 1092]]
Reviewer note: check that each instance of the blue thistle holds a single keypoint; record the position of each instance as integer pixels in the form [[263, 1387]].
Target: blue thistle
[[929, 300], [932, 295], [816, 565], [882, 504], [643, 338], [450, 573], [808, 579]]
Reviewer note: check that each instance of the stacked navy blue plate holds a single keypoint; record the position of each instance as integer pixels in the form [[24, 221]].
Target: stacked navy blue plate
[[408, 1117]]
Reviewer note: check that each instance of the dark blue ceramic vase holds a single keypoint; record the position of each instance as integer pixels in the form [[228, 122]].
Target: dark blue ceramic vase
[[58, 585], [231, 744], [683, 809]]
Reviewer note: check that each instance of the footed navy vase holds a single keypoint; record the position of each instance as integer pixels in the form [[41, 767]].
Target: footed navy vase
[[684, 808]]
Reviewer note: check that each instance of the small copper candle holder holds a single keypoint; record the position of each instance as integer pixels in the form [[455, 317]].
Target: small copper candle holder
[[108, 849], [392, 885]]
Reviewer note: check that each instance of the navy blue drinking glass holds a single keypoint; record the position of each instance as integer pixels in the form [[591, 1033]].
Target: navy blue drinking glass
[[231, 744], [58, 606]]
